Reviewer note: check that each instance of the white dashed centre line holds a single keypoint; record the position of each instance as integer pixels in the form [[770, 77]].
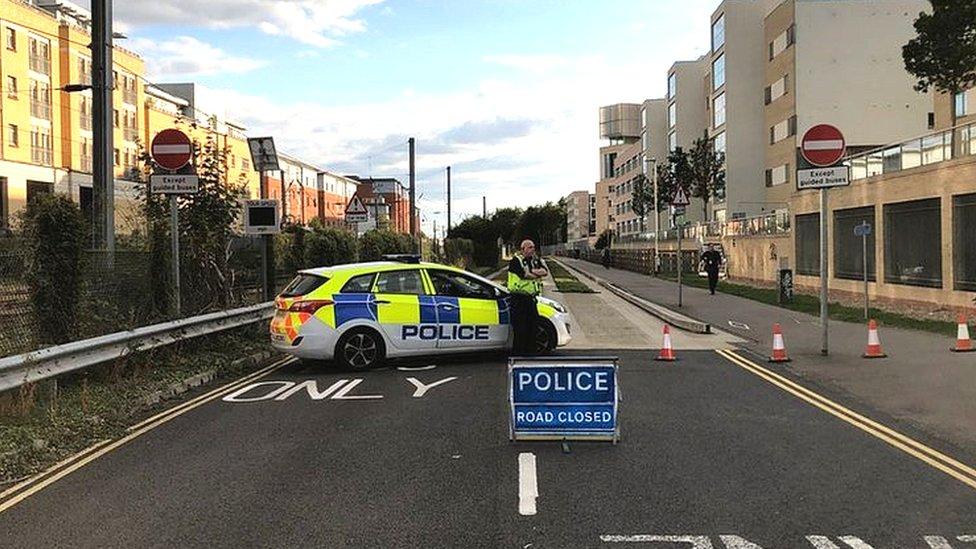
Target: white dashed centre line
[[528, 485]]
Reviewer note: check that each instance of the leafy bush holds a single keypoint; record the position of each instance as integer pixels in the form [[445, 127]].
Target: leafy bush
[[326, 246], [377, 243], [459, 252], [54, 238]]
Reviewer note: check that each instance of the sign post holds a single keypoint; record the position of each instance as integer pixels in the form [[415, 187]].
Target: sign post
[[679, 202], [171, 149], [565, 398], [264, 158], [863, 230], [356, 211], [823, 146]]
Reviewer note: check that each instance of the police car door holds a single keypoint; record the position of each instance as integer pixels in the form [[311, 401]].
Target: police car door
[[467, 312], [400, 313]]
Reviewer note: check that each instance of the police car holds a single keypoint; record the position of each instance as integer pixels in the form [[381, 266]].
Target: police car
[[362, 313]]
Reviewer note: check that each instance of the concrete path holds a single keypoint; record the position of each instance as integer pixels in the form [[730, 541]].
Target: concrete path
[[603, 320], [920, 382]]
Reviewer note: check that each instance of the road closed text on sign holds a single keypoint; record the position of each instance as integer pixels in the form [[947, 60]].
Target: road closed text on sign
[[569, 398]]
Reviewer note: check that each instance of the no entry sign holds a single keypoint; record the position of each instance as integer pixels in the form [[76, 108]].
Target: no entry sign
[[823, 145], [171, 149]]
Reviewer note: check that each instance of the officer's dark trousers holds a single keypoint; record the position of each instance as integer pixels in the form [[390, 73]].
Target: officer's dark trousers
[[523, 315], [712, 279]]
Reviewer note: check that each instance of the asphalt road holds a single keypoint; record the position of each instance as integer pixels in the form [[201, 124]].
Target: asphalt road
[[708, 450]]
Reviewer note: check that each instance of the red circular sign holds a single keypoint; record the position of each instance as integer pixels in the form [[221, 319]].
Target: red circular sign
[[171, 149], [823, 145]]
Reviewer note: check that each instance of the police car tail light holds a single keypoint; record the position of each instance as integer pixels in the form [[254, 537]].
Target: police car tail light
[[309, 306]]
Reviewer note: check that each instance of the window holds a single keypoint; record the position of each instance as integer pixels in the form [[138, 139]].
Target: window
[[11, 39], [39, 55], [41, 151], [13, 135], [808, 244], [672, 115], [358, 284], [778, 175], [40, 100], [718, 72], [786, 39], [115, 117], [718, 32], [719, 143], [718, 110], [458, 285], [962, 105], [776, 90], [303, 284], [913, 243], [672, 141], [848, 248], [672, 85], [931, 120], [12, 87], [963, 245], [116, 157], [38, 188], [786, 128], [399, 282]]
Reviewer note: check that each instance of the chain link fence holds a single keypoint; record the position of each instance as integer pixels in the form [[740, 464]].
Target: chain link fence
[[123, 292]]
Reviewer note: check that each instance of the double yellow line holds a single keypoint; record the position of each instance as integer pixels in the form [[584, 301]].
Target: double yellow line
[[19, 492], [940, 461]]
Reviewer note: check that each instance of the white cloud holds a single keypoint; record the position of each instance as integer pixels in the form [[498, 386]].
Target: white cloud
[[185, 56], [533, 63], [315, 22]]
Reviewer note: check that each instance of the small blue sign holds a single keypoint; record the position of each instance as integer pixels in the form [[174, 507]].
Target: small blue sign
[[564, 398], [864, 229]]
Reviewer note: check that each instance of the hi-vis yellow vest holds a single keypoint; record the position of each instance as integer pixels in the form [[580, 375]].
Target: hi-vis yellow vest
[[523, 285]]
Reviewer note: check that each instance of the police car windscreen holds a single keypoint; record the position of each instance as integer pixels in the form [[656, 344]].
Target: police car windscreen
[[303, 284]]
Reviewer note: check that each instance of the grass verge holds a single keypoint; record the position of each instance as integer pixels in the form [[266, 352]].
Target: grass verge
[[811, 304], [47, 422], [566, 281]]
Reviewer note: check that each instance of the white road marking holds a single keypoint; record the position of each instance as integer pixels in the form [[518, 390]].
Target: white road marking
[[528, 484], [416, 369], [937, 542], [736, 542], [967, 539], [236, 395], [696, 542], [312, 388], [342, 394], [823, 542], [855, 542], [739, 325], [422, 388]]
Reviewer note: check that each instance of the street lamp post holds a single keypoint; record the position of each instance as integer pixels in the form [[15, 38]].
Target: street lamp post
[[657, 212]]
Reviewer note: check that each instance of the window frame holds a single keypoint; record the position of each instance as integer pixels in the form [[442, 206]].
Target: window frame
[[369, 287], [719, 20], [14, 130], [716, 85], [423, 287], [494, 295], [10, 39], [715, 123]]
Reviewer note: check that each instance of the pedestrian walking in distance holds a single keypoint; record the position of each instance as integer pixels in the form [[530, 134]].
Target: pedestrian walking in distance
[[712, 261], [525, 273]]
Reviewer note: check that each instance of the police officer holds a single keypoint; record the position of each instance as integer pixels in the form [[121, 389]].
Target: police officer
[[711, 261], [525, 273]]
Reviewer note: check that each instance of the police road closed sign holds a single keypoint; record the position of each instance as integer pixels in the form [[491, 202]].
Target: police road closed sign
[[569, 398]]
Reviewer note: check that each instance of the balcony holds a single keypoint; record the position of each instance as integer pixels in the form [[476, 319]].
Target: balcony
[[42, 156], [40, 64], [86, 163], [129, 96], [86, 121], [920, 151], [130, 133], [40, 109]]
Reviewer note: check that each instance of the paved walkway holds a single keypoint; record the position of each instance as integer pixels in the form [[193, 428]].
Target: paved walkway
[[921, 382]]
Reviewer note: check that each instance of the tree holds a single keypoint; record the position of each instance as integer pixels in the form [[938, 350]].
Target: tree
[[707, 173], [605, 240], [672, 175], [943, 54], [642, 198]]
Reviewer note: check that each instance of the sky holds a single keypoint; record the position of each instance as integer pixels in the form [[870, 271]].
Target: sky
[[506, 92]]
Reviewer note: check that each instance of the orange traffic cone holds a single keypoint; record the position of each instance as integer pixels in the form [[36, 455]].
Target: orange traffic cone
[[667, 352], [779, 348], [873, 349], [963, 343]]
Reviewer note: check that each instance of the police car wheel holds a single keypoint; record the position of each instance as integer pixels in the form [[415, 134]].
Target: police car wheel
[[545, 337], [360, 349]]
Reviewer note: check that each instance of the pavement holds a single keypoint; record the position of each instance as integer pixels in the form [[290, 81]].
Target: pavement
[[921, 382], [714, 453]]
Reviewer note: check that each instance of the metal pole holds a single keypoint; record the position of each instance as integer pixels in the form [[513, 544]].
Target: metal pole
[[413, 189], [448, 202], [680, 266], [484, 207], [657, 221], [174, 221], [823, 271], [103, 167], [284, 196], [267, 250], [864, 255]]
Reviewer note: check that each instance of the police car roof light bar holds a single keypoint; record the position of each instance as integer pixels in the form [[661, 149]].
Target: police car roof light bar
[[402, 258]]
